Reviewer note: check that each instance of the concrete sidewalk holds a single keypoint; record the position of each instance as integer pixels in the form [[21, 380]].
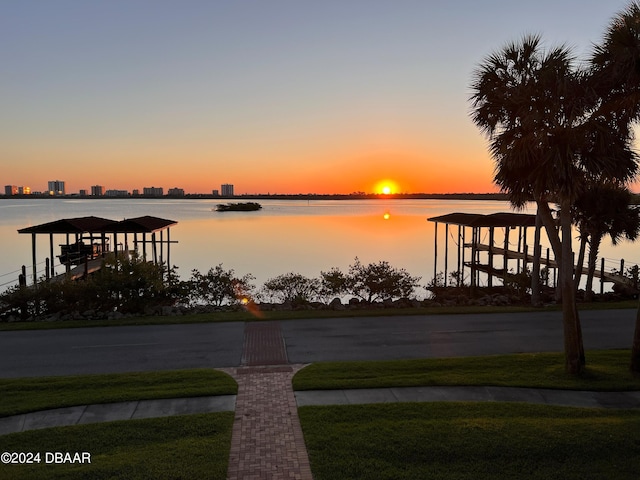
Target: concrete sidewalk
[[109, 412], [569, 398]]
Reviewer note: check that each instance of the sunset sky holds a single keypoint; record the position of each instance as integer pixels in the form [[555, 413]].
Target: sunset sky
[[278, 96]]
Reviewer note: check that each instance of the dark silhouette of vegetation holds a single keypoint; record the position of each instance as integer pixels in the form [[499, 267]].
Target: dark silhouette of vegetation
[[553, 127], [375, 282], [370, 283], [603, 210], [617, 82], [131, 285], [123, 284], [219, 287], [293, 288], [238, 207]]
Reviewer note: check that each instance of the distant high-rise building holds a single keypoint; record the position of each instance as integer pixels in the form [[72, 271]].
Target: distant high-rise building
[[116, 193], [24, 190], [176, 192], [10, 190], [227, 190], [153, 191], [135, 192], [82, 192], [56, 187], [216, 193], [97, 191]]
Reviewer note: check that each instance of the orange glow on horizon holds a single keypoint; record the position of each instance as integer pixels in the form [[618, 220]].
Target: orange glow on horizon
[[341, 170]]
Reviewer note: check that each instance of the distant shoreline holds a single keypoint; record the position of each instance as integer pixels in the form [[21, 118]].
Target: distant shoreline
[[300, 196], [308, 196]]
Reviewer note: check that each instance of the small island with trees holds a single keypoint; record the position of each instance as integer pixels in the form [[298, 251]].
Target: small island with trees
[[238, 207]]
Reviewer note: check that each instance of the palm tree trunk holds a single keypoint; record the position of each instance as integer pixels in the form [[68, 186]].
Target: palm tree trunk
[[594, 248], [573, 348], [580, 262], [535, 273], [550, 227], [554, 239]]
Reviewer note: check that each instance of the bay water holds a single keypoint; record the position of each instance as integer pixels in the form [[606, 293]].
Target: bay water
[[301, 236]]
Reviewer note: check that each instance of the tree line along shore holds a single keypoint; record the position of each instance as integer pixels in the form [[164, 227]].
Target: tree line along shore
[[296, 196]]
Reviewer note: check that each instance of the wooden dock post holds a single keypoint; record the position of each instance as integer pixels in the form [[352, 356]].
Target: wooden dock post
[[33, 258], [52, 265], [505, 257], [464, 229], [546, 281], [519, 247], [168, 255], [474, 243], [446, 253], [491, 238], [435, 253], [525, 250]]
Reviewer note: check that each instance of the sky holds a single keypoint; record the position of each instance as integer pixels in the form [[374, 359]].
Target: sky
[[278, 96]]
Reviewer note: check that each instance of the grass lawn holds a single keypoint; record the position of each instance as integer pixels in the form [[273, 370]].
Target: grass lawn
[[188, 447], [473, 441], [23, 395], [245, 316], [607, 370], [466, 440]]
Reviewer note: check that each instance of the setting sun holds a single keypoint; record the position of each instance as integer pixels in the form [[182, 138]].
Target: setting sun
[[386, 187]]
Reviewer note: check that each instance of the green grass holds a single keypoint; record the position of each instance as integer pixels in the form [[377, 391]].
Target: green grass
[[23, 395], [244, 316], [188, 447], [607, 370], [471, 441]]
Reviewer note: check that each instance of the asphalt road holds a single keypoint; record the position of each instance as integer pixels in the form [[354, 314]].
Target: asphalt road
[[168, 347]]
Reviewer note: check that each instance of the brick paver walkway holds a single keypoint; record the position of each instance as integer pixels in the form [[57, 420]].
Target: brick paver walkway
[[267, 441]]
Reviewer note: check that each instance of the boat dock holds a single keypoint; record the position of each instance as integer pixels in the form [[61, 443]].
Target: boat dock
[[87, 241], [495, 263]]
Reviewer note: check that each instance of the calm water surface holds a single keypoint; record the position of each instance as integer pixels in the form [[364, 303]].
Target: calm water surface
[[300, 236]]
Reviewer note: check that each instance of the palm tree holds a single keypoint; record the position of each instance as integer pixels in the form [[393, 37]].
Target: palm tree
[[615, 67], [604, 210], [616, 79], [527, 101], [537, 110]]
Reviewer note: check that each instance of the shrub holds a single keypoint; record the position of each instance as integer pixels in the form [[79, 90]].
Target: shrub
[[292, 287], [333, 283], [130, 285], [219, 287], [126, 284], [379, 281]]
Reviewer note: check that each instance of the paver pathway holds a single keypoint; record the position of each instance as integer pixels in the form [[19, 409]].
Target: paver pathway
[[267, 441]]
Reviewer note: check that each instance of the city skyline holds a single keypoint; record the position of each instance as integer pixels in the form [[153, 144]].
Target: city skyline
[[286, 97], [58, 188]]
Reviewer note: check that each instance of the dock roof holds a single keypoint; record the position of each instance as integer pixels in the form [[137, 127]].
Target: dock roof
[[144, 224], [71, 225], [79, 225], [503, 219]]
